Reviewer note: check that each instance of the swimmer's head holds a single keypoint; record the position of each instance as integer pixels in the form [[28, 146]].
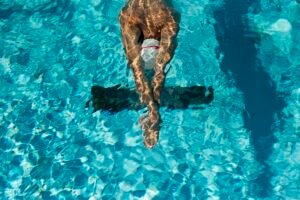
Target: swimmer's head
[[149, 51]]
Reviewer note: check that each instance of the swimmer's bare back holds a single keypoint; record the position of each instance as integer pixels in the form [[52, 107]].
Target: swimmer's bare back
[[144, 19]]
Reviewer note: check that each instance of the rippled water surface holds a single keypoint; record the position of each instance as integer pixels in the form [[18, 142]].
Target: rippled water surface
[[243, 145]]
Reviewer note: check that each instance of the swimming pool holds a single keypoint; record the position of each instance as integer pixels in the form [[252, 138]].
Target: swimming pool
[[243, 145]]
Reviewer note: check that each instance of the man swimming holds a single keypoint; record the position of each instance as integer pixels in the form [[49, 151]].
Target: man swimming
[[143, 20]]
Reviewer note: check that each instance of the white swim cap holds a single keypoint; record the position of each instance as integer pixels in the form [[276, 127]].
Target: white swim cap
[[149, 51], [281, 25]]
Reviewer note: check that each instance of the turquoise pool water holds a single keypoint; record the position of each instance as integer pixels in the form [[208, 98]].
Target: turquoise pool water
[[51, 147]]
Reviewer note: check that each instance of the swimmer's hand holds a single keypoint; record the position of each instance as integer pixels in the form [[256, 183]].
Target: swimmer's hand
[[150, 126], [150, 138]]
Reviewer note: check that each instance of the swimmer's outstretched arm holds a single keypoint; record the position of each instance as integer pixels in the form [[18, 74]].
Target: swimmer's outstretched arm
[[130, 36], [168, 32]]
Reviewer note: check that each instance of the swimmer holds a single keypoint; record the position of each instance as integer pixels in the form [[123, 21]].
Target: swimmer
[[148, 29]]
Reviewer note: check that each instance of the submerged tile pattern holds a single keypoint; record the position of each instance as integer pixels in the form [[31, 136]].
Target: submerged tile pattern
[[52, 52]]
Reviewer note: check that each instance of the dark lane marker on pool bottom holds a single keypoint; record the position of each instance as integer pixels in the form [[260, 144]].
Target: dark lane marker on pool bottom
[[261, 100]]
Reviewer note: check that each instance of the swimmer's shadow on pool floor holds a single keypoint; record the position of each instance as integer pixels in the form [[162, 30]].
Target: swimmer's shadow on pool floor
[[116, 98]]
